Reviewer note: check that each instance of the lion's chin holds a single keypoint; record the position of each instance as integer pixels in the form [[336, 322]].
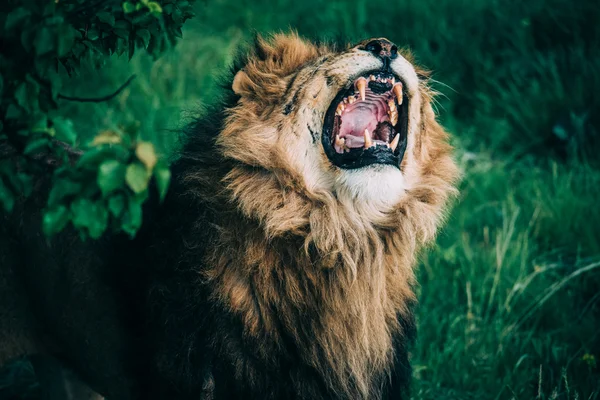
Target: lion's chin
[[377, 187]]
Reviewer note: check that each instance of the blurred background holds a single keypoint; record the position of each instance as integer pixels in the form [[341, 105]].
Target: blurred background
[[510, 294]]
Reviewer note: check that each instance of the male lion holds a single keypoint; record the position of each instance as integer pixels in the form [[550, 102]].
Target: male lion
[[280, 265]]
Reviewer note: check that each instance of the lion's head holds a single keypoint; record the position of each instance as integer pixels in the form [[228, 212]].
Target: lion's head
[[355, 122]]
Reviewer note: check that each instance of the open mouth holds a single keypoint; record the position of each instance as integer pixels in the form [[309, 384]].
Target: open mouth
[[367, 123]]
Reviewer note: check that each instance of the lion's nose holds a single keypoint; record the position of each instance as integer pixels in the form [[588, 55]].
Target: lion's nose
[[383, 49]]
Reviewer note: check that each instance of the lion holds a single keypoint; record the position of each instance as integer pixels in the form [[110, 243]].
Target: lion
[[281, 263]]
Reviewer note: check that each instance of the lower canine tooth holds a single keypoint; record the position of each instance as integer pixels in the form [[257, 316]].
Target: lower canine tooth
[[392, 105], [368, 141], [395, 142]]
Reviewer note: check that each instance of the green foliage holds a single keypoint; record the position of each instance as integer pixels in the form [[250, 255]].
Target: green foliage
[[45, 43]]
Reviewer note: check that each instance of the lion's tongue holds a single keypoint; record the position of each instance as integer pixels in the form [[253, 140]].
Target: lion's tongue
[[360, 116]]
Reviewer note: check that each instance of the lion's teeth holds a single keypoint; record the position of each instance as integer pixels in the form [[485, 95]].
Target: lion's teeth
[[368, 141], [351, 99], [372, 77], [394, 143], [392, 80], [394, 118], [398, 92], [361, 85], [340, 108], [340, 142], [392, 105]]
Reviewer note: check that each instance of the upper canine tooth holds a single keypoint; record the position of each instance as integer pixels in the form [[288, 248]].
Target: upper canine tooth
[[368, 141], [361, 85], [395, 142], [398, 92]]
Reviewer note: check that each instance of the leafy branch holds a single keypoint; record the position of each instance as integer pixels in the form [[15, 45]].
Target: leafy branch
[[95, 186]]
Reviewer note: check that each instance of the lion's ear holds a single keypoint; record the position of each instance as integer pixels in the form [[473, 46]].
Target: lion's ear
[[240, 83]]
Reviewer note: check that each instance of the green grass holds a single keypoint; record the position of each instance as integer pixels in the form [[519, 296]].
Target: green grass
[[510, 294]]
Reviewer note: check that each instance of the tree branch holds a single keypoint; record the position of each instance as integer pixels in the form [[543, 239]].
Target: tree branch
[[98, 99]]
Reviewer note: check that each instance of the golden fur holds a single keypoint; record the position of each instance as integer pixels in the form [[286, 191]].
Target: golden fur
[[353, 271]]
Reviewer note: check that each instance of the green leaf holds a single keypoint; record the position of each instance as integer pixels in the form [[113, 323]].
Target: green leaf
[[177, 32], [137, 177], [13, 112], [154, 8], [18, 182], [131, 48], [162, 175], [99, 222], [7, 198], [36, 145], [116, 204], [22, 96], [122, 24], [61, 189], [27, 38], [106, 17], [64, 130], [122, 46], [40, 125], [78, 49], [144, 35], [111, 176], [146, 154], [128, 7], [66, 40], [93, 34], [55, 220], [82, 212], [90, 215], [96, 155], [44, 41], [132, 220], [55, 82], [15, 18], [121, 33]]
